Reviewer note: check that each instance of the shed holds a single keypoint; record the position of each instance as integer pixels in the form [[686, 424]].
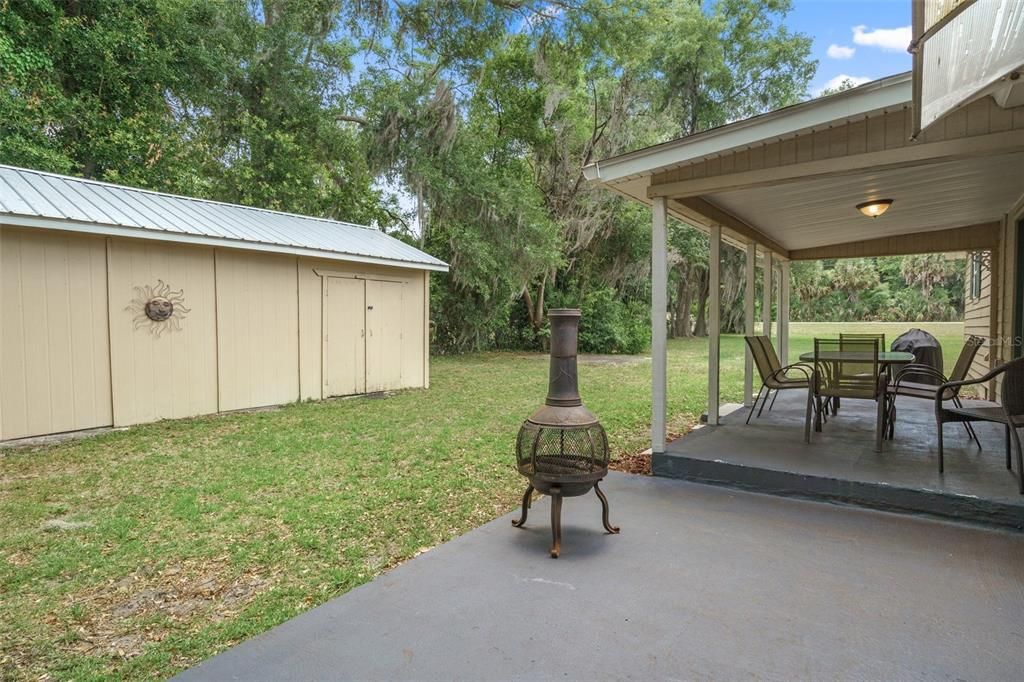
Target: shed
[[121, 306]]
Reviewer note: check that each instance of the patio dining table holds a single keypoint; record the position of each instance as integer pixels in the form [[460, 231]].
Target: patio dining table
[[885, 358]]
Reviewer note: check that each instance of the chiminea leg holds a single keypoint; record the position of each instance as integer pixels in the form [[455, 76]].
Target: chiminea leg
[[604, 510], [526, 507], [556, 521]]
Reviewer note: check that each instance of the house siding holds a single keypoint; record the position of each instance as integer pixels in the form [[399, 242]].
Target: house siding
[[882, 131]]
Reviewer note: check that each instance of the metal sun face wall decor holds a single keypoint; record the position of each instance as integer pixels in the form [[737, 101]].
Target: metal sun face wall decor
[[159, 308]]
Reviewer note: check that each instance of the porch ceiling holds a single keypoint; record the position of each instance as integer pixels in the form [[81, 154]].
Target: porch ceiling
[[819, 212]]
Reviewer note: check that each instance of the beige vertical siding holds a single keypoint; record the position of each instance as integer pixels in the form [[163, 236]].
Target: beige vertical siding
[[406, 351], [173, 374], [54, 348], [257, 329], [344, 341], [874, 132], [311, 379], [384, 340], [426, 329]]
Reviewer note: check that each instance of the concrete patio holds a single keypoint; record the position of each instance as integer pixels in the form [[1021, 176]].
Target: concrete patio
[[703, 583], [841, 465]]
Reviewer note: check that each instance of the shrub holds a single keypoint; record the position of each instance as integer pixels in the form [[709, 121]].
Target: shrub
[[610, 325]]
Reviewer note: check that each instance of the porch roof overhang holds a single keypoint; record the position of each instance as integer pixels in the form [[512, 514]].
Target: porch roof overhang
[[790, 180]]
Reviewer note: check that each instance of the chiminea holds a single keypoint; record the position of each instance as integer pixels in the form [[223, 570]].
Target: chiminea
[[562, 449]]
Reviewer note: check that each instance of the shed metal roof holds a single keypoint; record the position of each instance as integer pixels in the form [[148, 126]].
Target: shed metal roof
[[36, 199]]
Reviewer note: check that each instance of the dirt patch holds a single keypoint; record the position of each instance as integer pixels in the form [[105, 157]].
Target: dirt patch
[[55, 438], [638, 463], [65, 525], [120, 617]]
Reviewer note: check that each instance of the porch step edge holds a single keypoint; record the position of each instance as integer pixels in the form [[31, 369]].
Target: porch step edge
[[880, 496]]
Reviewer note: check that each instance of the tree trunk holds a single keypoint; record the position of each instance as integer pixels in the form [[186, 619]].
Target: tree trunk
[[700, 324], [535, 309], [681, 318], [421, 217]]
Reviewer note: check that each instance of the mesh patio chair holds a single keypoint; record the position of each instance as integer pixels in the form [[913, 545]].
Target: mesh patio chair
[[837, 375], [856, 342], [862, 337], [774, 376], [907, 383], [860, 342], [1009, 412]]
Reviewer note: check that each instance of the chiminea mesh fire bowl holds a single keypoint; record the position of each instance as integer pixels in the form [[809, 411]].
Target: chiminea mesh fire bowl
[[562, 449]]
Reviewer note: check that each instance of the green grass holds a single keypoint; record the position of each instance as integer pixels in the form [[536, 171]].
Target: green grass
[[203, 532]]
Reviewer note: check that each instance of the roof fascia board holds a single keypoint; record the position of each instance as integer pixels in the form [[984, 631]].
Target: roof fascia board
[[916, 154], [878, 95], [199, 240]]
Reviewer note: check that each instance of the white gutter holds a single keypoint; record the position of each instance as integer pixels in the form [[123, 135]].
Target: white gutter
[[203, 240], [891, 92]]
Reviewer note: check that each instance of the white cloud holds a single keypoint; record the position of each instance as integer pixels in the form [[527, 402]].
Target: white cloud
[[834, 83], [889, 39], [840, 51]]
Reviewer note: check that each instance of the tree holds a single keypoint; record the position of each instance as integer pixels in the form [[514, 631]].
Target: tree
[[731, 60], [91, 88], [484, 112]]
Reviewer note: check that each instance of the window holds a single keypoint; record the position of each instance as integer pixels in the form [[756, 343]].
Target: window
[[976, 264]]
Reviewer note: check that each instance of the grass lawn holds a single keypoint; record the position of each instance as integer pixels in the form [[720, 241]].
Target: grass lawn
[[138, 553]]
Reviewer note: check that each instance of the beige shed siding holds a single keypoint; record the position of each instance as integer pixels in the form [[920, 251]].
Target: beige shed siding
[[54, 347], [384, 354], [173, 374], [257, 329], [412, 348], [344, 341], [310, 331], [72, 357], [880, 132], [426, 329]]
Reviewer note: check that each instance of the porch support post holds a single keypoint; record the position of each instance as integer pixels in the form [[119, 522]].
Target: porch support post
[[714, 318], [659, 333], [766, 304], [748, 324], [784, 311]]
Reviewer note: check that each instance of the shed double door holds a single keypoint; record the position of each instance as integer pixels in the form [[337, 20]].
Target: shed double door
[[362, 336]]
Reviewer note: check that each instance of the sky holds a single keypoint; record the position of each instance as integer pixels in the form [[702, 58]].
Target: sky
[[857, 39]]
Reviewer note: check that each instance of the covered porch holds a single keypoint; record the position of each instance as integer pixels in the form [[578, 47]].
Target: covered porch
[[786, 186], [841, 465]]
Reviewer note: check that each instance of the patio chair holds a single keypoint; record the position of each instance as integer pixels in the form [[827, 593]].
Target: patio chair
[[856, 338], [856, 342], [905, 385], [1009, 412], [774, 376], [835, 377]]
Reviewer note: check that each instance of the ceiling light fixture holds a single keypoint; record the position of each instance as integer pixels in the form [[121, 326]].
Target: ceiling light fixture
[[873, 209]]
